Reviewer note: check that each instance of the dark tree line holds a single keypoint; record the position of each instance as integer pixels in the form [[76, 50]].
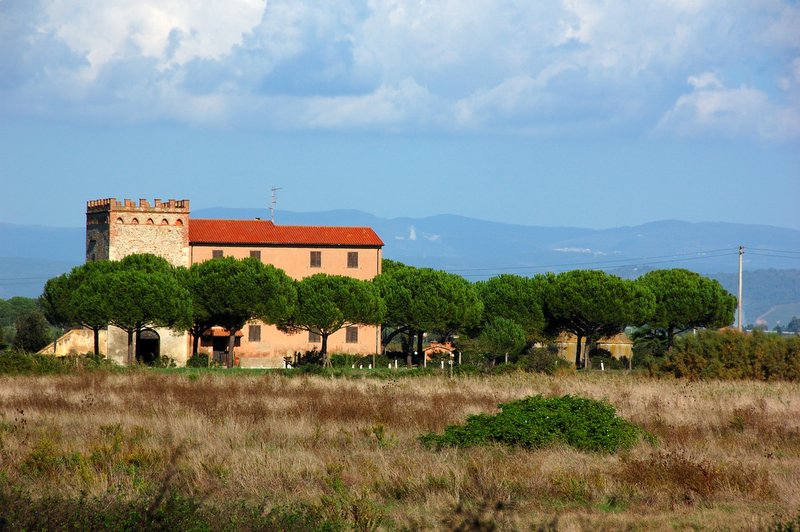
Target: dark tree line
[[506, 312]]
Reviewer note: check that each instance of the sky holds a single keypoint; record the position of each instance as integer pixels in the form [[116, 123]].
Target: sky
[[556, 112]]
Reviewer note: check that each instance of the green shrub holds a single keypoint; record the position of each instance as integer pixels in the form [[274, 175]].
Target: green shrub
[[542, 360], [599, 355], [730, 355], [199, 360], [22, 363], [164, 362], [536, 421], [14, 363]]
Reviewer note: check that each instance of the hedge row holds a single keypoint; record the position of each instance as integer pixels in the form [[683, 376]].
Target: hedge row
[[732, 355]]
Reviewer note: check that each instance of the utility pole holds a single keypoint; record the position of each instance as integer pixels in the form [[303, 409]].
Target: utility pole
[[741, 252]]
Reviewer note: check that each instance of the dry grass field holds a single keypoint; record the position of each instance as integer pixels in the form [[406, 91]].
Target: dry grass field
[[261, 450]]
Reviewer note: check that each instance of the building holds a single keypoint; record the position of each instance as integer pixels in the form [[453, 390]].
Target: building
[[115, 229], [619, 346]]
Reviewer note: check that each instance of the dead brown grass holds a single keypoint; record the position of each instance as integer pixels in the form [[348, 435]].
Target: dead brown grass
[[728, 453]]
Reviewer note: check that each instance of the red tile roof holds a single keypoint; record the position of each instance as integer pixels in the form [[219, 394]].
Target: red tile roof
[[203, 231]]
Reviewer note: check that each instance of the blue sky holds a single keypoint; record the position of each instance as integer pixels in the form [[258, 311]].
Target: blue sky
[[559, 112]]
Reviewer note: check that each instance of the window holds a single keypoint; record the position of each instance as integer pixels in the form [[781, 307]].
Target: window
[[351, 335], [216, 253], [352, 259], [255, 253], [316, 259], [314, 338], [254, 333]]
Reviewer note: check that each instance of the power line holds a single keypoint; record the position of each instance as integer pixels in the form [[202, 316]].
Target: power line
[[662, 259], [774, 255], [608, 261], [774, 250]]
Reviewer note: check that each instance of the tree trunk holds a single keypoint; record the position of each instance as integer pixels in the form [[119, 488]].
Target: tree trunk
[[587, 361], [195, 342], [231, 345], [96, 333], [326, 361], [419, 348], [409, 359], [385, 343], [670, 339], [578, 339], [131, 357]]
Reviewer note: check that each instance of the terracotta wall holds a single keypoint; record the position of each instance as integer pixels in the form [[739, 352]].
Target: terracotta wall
[[274, 344], [296, 261]]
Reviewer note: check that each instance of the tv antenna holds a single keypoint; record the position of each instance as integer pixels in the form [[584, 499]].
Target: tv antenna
[[273, 203]]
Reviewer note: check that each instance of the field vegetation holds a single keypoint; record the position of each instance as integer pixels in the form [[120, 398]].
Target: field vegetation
[[199, 449]]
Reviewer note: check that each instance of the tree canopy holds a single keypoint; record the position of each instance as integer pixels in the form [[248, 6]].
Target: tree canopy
[[80, 297], [420, 300], [685, 300], [328, 303], [514, 298], [32, 331], [503, 336], [141, 298], [230, 292], [592, 304]]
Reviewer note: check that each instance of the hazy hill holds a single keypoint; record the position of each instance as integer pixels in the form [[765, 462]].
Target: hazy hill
[[466, 244], [478, 249]]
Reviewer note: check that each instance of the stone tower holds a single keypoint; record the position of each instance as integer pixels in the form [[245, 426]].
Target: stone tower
[[115, 229]]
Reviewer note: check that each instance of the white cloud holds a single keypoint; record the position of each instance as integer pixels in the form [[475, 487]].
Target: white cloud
[[573, 250], [560, 65], [704, 81], [170, 31], [712, 108]]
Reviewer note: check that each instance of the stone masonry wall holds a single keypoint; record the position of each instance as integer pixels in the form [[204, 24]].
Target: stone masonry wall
[[116, 229]]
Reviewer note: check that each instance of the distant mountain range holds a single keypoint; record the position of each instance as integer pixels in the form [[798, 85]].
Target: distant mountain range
[[477, 249]]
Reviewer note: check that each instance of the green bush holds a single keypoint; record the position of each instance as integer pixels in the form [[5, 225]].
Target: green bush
[[599, 355], [164, 362], [536, 421], [731, 355], [199, 360], [542, 360], [14, 363], [22, 363]]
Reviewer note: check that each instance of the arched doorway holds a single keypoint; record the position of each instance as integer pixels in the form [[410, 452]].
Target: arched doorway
[[148, 346]]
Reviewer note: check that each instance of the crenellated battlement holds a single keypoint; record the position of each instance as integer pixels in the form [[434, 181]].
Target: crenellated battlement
[[116, 229], [111, 204]]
